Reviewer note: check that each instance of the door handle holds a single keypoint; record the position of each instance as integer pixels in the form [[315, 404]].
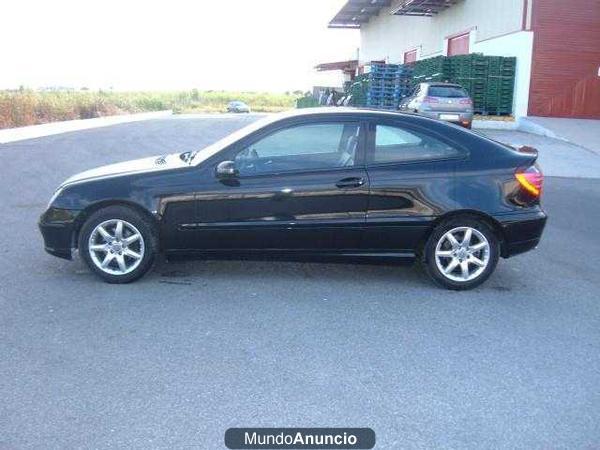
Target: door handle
[[351, 182], [283, 193]]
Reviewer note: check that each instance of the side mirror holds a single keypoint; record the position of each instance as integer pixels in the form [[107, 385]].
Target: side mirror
[[227, 169]]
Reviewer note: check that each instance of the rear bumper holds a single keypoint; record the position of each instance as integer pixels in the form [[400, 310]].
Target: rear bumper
[[522, 232], [463, 117], [58, 230]]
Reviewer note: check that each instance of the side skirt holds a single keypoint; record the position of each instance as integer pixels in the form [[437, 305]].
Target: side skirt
[[348, 256]]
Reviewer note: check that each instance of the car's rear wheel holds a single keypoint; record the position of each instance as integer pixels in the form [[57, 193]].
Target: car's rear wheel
[[461, 253], [118, 243]]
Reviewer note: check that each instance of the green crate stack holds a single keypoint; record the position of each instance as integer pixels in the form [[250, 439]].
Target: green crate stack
[[306, 102], [431, 69], [477, 89], [471, 72], [473, 65], [358, 90], [488, 79], [500, 85]]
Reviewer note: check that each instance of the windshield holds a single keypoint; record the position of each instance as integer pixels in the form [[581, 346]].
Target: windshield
[[447, 91], [213, 149]]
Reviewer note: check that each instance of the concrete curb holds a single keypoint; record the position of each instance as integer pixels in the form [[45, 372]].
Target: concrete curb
[[528, 126], [494, 125], [48, 129]]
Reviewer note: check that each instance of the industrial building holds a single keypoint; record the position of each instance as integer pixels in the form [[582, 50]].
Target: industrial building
[[556, 44]]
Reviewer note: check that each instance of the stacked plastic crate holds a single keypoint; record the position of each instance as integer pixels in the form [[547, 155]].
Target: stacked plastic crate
[[488, 79], [471, 72], [306, 102], [358, 90], [388, 83], [500, 85], [435, 69]]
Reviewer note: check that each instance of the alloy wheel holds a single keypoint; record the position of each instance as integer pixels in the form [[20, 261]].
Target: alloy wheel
[[116, 247], [462, 254]]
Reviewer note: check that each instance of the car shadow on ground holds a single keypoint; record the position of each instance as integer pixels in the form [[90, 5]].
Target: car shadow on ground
[[245, 273]]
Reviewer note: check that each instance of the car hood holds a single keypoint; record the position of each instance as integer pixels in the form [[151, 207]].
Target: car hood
[[150, 164]]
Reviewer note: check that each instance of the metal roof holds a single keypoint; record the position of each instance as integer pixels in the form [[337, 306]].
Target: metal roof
[[346, 66], [356, 12], [421, 7]]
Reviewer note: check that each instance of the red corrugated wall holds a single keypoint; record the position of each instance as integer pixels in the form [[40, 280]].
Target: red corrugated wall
[[566, 59]]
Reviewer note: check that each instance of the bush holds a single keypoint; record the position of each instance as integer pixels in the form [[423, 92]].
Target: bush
[[27, 107]]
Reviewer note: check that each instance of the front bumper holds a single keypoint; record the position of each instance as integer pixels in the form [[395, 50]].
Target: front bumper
[[522, 232], [58, 230]]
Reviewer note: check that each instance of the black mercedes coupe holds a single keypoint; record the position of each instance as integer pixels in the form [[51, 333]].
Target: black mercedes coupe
[[327, 184]]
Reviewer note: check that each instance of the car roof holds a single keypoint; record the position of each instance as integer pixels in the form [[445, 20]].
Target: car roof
[[353, 113], [324, 111]]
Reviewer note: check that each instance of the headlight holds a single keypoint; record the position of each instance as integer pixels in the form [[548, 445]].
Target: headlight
[[55, 196]]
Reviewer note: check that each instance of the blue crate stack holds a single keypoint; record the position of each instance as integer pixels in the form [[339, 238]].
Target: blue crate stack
[[388, 83]]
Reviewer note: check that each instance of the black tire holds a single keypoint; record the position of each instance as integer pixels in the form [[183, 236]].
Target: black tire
[[144, 225], [429, 259]]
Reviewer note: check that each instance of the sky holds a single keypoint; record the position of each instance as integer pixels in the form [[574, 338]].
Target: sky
[[257, 45]]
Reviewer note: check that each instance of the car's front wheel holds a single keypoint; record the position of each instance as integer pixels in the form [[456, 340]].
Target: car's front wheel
[[461, 253], [118, 243]]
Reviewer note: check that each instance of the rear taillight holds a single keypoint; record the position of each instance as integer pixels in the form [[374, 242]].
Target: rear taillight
[[466, 101], [430, 100], [531, 179]]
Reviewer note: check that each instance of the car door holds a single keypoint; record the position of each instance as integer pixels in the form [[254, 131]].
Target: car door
[[411, 172], [296, 186]]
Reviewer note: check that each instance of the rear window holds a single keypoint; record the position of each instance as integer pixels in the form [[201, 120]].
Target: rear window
[[398, 145], [447, 91]]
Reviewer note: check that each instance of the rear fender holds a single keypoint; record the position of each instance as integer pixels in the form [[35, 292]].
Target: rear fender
[[485, 218]]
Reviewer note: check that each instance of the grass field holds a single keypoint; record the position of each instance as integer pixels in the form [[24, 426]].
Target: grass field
[[27, 107]]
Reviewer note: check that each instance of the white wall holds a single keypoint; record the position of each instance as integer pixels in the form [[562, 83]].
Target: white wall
[[520, 45], [387, 37], [331, 78]]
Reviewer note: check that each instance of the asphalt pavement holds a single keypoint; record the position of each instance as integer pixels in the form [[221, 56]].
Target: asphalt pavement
[[196, 347]]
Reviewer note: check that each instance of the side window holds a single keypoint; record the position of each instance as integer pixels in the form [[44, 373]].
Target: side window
[[395, 144], [303, 147]]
